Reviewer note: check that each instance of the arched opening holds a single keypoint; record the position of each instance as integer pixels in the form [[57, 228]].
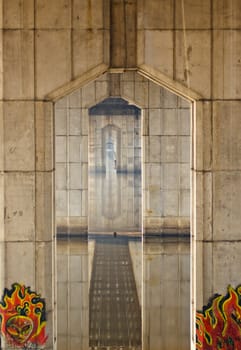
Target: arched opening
[[165, 192]]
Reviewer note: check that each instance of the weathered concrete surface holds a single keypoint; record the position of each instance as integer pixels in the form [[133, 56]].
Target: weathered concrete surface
[[192, 48], [123, 33]]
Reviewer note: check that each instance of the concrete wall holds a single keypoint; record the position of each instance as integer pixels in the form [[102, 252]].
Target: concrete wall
[[51, 48], [71, 157]]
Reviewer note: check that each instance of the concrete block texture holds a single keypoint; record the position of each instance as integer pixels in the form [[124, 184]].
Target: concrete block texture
[[203, 190], [44, 206], [18, 16], [226, 14], [55, 14], [44, 136], [53, 70], [2, 266], [193, 14], [19, 206], [1, 138], [225, 257], [87, 43], [44, 269], [24, 252], [226, 66], [89, 14], [157, 41], [19, 136], [194, 46], [18, 64], [61, 124], [202, 141], [193, 60], [2, 207], [226, 205], [155, 122], [153, 14], [221, 259], [226, 135]]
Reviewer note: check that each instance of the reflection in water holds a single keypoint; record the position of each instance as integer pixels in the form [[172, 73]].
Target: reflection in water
[[115, 315], [72, 295], [114, 202], [110, 159], [166, 299], [100, 284]]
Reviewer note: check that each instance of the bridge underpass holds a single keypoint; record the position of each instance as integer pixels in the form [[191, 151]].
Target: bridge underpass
[[123, 188]]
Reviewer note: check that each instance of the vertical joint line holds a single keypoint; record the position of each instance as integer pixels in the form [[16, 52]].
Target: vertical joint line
[[174, 40], [125, 32], [212, 51], [34, 50], [71, 40], [111, 28], [35, 148]]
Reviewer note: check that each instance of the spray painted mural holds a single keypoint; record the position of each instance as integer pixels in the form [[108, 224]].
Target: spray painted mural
[[218, 326], [22, 317]]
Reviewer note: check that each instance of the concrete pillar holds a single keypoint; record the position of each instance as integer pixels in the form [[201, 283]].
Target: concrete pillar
[[29, 216], [2, 270], [123, 33]]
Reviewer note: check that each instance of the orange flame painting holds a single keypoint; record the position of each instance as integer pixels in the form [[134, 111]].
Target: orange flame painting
[[218, 326], [22, 317]]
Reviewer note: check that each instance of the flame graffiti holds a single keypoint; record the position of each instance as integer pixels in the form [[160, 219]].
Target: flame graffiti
[[22, 317], [218, 326]]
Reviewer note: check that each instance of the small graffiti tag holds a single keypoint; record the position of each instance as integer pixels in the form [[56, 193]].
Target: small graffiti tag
[[218, 326], [22, 317]]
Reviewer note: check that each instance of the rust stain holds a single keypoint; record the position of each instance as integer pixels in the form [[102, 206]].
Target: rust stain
[[89, 13], [189, 52]]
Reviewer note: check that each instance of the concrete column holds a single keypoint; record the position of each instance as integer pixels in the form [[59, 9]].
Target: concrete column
[[2, 251], [27, 237], [28, 176], [123, 33]]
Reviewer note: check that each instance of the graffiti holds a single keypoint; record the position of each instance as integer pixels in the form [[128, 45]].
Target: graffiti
[[22, 317], [218, 326]]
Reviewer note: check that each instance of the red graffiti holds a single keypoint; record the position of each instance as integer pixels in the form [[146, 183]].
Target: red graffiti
[[22, 317], [218, 326]]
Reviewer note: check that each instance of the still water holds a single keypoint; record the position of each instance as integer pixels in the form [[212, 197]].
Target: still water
[[122, 292]]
